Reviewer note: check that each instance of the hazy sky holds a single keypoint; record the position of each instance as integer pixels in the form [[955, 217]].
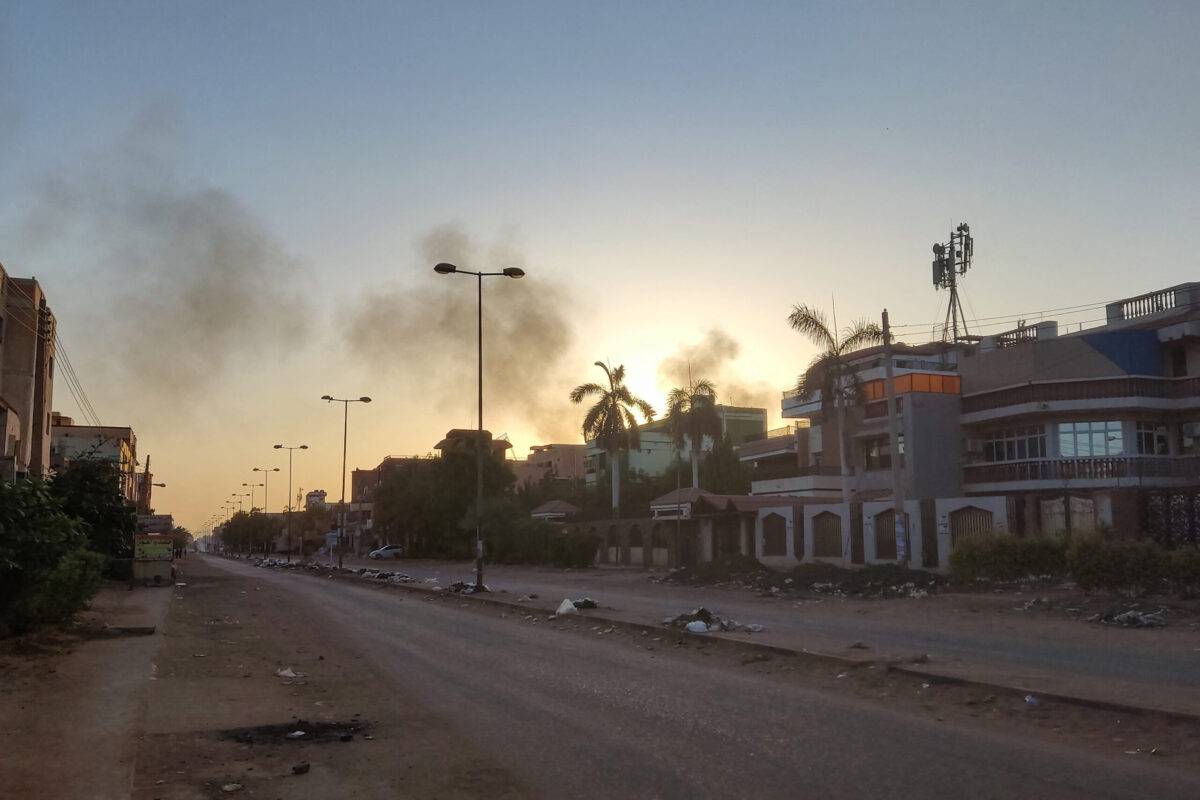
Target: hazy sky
[[233, 207]]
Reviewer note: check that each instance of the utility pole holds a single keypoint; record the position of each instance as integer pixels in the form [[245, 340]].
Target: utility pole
[[901, 532]]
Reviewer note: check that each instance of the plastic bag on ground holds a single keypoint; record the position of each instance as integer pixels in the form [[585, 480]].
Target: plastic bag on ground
[[567, 607], [697, 626]]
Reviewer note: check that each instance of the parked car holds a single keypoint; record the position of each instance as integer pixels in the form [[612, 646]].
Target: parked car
[[387, 551]]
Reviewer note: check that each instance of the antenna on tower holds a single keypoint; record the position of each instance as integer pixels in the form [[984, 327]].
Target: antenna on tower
[[951, 260]]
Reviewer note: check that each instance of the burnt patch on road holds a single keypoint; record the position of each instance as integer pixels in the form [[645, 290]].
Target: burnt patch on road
[[298, 731]]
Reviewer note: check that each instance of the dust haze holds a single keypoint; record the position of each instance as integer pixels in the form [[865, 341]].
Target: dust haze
[[423, 332], [712, 358], [198, 279]]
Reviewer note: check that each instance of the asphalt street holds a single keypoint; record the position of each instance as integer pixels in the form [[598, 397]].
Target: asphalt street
[[576, 716], [1156, 668]]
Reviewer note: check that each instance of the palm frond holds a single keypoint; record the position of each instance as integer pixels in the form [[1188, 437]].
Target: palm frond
[[811, 323], [585, 390], [859, 335]]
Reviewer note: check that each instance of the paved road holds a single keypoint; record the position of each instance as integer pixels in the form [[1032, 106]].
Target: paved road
[[574, 716], [1151, 667]]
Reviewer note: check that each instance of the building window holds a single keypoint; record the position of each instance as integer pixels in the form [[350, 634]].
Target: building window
[[1191, 439], [1152, 439], [1015, 444], [1090, 439], [877, 452]]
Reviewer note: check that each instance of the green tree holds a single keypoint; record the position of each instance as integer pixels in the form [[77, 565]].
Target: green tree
[[692, 414], [611, 421], [831, 373], [46, 573], [724, 472], [90, 489], [428, 504], [181, 537]]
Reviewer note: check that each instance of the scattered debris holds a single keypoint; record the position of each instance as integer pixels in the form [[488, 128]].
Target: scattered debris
[[297, 735], [1030, 700], [230, 788], [300, 769], [467, 587], [585, 602], [1132, 618], [711, 621], [858, 646], [696, 626], [567, 606], [288, 672]]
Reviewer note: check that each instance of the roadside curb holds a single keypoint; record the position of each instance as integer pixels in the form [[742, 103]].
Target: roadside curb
[[813, 655]]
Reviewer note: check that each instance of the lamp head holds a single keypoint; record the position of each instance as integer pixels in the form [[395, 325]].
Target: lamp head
[[445, 269], [514, 272], [326, 397], [278, 447], [364, 399]]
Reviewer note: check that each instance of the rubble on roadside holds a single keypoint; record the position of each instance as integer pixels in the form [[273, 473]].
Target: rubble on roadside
[[877, 581], [467, 587], [1132, 618], [697, 617]]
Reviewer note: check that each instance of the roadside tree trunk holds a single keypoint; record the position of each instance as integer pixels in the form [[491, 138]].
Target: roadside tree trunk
[[840, 410], [695, 466], [614, 465]]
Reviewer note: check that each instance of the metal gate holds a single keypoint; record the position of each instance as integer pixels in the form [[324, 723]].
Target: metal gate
[[827, 535], [970, 522], [885, 534], [1172, 519]]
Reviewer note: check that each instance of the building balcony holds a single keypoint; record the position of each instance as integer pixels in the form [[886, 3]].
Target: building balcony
[[775, 442], [1098, 472], [796, 480], [1126, 392]]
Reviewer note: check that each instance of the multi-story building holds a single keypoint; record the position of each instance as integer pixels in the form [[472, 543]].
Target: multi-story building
[[27, 350], [117, 444], [657, 451], [1073, 428], [565, 462]]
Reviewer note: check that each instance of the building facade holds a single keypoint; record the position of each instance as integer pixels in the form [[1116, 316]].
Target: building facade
[[70, 442], [1077, 430], [27, 351], [657, 451]]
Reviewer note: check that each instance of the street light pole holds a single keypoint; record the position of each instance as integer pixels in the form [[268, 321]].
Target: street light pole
[[253, 486], [290, 450], [266, 471], [341, 538], [508, 272]]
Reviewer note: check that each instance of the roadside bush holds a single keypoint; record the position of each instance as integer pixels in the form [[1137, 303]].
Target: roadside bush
[[60, 592], [532, 541], [1120, 566], [1184, 571], [1006, 558], [45, 572]]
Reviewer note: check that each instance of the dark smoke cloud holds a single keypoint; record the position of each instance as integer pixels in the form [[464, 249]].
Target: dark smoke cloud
[[424, 332], [712, 358], [182, 279]]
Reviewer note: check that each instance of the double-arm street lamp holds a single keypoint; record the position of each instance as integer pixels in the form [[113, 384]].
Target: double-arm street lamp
[[291, 449], [345, 430], [266, 471], [508, 272], [254, 486]]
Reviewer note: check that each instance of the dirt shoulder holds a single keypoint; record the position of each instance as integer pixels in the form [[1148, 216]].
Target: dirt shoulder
[[69, 699], [218, 713]]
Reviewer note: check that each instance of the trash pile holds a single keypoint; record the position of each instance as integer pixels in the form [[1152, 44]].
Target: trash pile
[[569, 606], [877, 581], [467, 587], [701, 620], [384, 575], [1132, 618]]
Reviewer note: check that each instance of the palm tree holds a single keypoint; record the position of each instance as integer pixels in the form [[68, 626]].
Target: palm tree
[[830, 372], [692, 412], [611, 422]]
